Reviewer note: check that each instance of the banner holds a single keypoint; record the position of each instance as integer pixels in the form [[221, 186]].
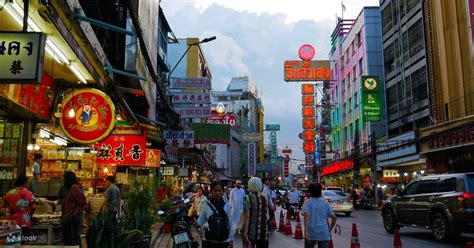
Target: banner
[[37, 98], [371, 106], [153, 158], [253, 137], [192, 98], [181, 139], [125, 146], [251, 153], [223, 119], [193, 112], [211, 133], [314, 70]]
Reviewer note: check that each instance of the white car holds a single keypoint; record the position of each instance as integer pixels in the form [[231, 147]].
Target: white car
[[339, 202]]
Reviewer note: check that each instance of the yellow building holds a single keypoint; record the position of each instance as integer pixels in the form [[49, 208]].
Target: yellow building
[[448, 145]]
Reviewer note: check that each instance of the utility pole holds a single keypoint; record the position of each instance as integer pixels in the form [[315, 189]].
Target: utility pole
[[373, 148], [355, 156]]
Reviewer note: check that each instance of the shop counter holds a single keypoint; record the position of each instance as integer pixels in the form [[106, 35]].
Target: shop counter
[[44, 234]]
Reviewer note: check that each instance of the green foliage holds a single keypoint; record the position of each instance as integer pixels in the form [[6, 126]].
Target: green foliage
[[135, 223]]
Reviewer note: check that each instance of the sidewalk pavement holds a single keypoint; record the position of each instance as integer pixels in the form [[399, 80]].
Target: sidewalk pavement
[[159, 239]]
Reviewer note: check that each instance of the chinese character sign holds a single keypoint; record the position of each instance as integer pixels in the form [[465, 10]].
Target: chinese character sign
[[88, 116], [181, 139], [125, 146], [21, 57]]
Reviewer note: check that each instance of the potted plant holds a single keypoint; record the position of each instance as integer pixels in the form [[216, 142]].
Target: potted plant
[[132, 229]]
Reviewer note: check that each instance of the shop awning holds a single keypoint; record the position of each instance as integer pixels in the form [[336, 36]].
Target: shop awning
[[405, 161]]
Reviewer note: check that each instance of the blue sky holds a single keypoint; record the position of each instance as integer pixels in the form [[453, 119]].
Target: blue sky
[[254, 37]]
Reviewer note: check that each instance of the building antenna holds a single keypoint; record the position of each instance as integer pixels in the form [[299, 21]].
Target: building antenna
[[343, 8]]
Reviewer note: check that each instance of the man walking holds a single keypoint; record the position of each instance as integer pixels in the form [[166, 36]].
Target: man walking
[[236, 202], [268, 196]]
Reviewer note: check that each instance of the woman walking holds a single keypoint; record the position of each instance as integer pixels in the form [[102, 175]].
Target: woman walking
[[215, 220], [75, 206]]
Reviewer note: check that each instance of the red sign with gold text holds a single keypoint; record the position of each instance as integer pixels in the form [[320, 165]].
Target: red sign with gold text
[[92, 118], [125, 146], [37, 98]]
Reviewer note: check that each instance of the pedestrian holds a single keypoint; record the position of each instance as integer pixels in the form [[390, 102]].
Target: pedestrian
[[215, 220], [199, 201], [75, 205], [268, 196], [236, 202], [20, 203], [255, 228], [36, 170], [316, 213], [112, 195]]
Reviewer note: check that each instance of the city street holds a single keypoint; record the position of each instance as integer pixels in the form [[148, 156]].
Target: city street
[[371, 234]]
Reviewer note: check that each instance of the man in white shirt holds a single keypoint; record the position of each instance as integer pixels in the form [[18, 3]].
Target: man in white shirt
[[236, 201], [268, 196]]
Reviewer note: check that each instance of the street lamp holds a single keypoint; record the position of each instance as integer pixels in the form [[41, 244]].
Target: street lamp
[[187, 50]]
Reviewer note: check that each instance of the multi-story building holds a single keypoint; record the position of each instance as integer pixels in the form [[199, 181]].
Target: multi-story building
[[407, 85], [243, 97], [447, 145], [356, 51]]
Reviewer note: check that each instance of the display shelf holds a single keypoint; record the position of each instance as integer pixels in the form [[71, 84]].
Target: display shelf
[[7, 233], [8, 165]]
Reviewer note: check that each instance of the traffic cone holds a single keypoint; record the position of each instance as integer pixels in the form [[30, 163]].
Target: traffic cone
[[468, 244], [288, 230], [397, 242], [281, 228], [298, 230], [355, 237], [273, 224]]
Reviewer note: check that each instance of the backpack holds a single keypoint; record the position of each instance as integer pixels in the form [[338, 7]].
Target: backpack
[[218, 225]]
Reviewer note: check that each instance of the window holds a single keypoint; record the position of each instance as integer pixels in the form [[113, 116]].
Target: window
[[411, 4], [387, 19], [411, 189], [427, 187], [347, 56], [354, 74], [356, 100], [359, 39], [415, 37], [389, 58], [419, 84], [352, 48], [447, 185], [361, 66]]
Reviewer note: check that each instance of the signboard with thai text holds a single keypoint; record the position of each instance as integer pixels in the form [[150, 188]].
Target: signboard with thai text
[[125, 146], [191, 83], [167, 171], [181, 139], [21, 57], [192, 98], [223, 119], [314, 70], [251, 154], [88, 116], [37, 98], [193, 112], [371, 106]]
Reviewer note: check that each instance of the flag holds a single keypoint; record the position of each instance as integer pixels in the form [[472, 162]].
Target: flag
[[343, 6]]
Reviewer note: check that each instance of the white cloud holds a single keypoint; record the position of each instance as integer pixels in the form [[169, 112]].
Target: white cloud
[[254, 38]]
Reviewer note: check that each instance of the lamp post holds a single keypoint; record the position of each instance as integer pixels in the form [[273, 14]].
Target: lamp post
[[187, 50]]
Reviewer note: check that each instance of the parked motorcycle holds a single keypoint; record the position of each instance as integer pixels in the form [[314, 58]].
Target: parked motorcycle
[[180, 224]]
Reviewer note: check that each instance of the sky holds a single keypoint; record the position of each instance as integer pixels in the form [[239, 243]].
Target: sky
[[254, 38]]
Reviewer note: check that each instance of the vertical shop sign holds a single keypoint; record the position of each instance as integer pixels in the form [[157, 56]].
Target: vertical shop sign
[[21, 57], [125, 146], [251, 153], [371, 107]]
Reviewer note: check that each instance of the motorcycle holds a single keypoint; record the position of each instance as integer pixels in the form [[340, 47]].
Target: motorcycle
[[180, 224]]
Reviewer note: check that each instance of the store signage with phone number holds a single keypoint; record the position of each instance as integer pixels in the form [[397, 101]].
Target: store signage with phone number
[[88, 116]]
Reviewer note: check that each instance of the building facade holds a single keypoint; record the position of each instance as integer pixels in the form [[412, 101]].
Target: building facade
[[357, 51]]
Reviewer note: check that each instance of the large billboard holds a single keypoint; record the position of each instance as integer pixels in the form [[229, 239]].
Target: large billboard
[[371, 106]]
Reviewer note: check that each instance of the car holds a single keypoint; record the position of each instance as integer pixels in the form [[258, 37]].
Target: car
[[444, 203], [339, 202], [334, 188]]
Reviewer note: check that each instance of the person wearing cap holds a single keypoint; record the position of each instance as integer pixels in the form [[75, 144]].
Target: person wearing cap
[[256, 208], [236, 202]]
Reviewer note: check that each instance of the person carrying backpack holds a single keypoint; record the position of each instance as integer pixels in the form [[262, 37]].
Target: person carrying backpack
[[255, 229], [215, 220]]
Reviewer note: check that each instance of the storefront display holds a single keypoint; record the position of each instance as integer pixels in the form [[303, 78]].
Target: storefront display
[[10, 233]]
